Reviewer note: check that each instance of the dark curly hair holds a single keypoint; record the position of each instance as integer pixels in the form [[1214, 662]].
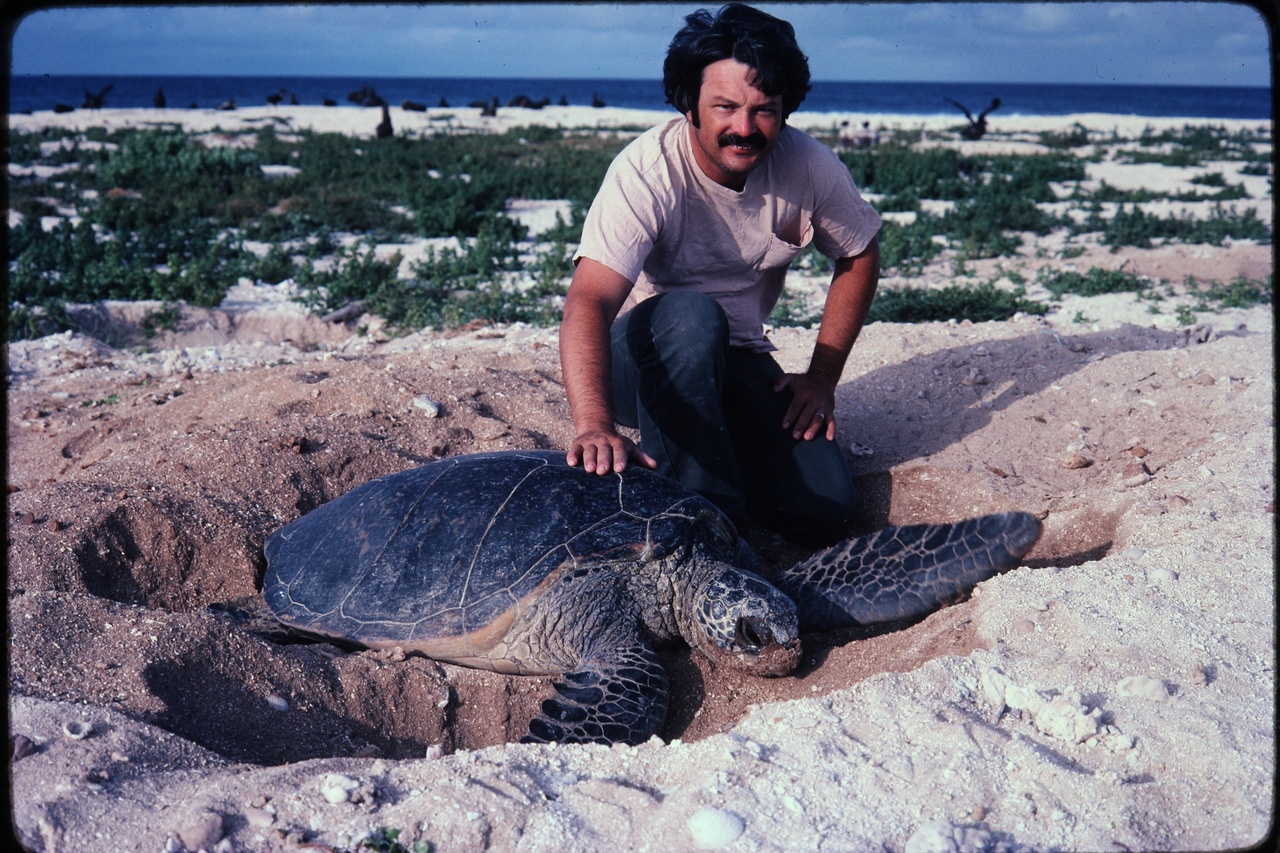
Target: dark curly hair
[[754, 38]]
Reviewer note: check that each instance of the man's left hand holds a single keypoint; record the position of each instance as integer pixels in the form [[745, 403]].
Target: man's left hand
[[812, 409]]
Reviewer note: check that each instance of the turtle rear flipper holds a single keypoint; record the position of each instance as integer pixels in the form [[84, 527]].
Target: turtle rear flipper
[[904, 572], [619, 699]]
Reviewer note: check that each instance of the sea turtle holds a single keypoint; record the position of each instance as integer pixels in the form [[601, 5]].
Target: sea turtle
[[514, 561]]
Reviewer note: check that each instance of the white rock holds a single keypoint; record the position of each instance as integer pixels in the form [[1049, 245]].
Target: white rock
[[940, 836], [337, 788], [712, 829], [1142, 687], [202, 831], [1066, 719], [429, 407], [1023, 698]]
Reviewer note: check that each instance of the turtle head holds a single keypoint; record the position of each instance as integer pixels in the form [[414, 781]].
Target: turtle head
[[740, 619]]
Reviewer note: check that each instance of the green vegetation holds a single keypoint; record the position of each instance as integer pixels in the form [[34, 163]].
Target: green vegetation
[[162, 215], [1193, 145], [1131, 226], [385, 840], [1093, 283], [978, 304], [1238, 293]]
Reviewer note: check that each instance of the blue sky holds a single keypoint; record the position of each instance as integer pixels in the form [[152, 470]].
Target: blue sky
[[1183, 43]]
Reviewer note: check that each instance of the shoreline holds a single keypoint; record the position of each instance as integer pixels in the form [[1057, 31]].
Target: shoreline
[[356, 119]]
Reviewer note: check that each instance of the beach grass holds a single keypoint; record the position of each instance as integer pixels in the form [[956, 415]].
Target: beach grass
[[159, 213]]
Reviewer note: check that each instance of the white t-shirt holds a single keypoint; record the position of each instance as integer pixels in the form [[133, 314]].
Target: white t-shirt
[[660, 222]]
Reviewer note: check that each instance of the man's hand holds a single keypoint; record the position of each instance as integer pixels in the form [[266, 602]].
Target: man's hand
[[813, 401], [813, 406], [603, 450], [595, 296]]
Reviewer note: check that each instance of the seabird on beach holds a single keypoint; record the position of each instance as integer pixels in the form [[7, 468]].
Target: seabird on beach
[[384, 127], [596, 100], [95, 102], [158, 99], [413, 106], [977, 127], [275, 97]]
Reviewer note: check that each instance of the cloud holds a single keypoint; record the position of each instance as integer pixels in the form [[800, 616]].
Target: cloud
[[1195, 42]]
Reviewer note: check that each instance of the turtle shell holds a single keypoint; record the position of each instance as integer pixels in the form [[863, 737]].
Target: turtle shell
[[454, 549]]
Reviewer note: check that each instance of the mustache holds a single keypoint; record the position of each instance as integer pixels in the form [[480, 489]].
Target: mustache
[[755, 140]]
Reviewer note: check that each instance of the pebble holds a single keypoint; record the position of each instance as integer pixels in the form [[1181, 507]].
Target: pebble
[[941, 836], [1134, 481], [77, 729], [337, 788], [429, 407], [1142, 687], [1160, 574], [1074, 460], [202, 831], [1065, 718], [22, 746], [712, 828], [278, 703], [258, 817]]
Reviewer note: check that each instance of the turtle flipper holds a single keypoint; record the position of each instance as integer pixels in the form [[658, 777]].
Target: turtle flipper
[[903, 572], [622, 699]]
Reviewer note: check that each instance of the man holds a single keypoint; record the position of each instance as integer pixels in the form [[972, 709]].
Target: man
[[690, 237]]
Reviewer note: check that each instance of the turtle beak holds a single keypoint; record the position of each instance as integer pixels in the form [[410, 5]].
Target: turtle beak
[[764, 649], [752, 633]]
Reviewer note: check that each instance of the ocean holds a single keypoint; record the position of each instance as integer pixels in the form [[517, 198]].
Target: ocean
[[31, 93]]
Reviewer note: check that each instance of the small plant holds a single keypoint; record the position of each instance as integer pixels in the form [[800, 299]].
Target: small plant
[[164, 319], [383, 840], [1241, 292], [907, 248], [1074, 137], [793, 309], [1092, 283], [1209, 179], [981, 303]]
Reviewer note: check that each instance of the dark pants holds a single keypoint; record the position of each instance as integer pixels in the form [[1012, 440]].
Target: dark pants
[[707, 412]]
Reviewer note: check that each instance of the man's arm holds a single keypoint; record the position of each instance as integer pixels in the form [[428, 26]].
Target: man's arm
[[813, 402], [595, 296]]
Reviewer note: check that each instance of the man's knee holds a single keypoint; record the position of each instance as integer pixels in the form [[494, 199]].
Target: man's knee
[[692, 319]]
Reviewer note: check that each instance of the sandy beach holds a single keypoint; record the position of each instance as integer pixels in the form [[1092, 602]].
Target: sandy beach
[[1116, 693]]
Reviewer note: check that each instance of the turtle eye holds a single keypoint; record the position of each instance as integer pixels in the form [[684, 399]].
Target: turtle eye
[[752, 633]]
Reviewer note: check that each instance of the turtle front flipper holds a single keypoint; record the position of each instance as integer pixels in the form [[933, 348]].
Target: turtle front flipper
[[621, 698], [904, 572]]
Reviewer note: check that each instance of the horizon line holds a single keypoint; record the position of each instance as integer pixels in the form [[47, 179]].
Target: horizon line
[[13, 74]]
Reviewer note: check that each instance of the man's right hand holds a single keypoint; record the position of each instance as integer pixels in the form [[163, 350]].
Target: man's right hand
[[601, 451]]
